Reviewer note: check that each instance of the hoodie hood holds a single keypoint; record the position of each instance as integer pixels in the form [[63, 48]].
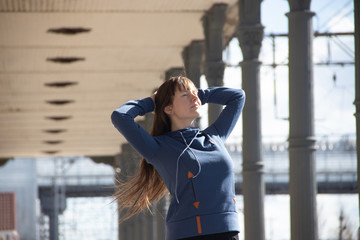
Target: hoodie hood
[[188, 132]]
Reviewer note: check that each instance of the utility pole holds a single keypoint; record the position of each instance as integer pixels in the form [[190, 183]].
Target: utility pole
[[357, 92]]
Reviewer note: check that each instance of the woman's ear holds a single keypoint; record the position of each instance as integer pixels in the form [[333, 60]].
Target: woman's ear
[[168, 109]]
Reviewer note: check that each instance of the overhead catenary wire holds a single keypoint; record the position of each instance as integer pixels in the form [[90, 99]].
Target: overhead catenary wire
[[326, 5], [338, 11], [332, 38], [332, 24], [328, 62], [336, 35], [344, 47], [274, 76]]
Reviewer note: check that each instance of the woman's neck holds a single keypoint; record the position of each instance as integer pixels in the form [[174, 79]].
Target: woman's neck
[[180, 125]]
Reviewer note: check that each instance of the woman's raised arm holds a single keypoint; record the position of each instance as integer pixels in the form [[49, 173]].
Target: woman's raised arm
[[233, 99], [123, 119]]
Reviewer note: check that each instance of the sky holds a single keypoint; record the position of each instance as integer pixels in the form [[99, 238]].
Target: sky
[[333, 99]]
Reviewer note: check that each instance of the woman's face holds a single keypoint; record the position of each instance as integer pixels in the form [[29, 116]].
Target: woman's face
[[185, 106]]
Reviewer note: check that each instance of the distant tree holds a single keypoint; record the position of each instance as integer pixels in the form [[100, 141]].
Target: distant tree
[[346, 229]]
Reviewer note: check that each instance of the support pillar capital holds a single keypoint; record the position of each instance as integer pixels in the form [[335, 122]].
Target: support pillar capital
[[296, 5], [47, 201], [250, 39]]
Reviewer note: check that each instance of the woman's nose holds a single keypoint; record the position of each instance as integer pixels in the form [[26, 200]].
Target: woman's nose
[[194, 96]]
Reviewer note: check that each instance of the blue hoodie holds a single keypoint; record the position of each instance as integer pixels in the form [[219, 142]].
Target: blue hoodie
[[193, 163]]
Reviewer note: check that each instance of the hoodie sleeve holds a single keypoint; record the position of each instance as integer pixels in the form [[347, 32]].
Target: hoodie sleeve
[[138, 137], [233, 99]]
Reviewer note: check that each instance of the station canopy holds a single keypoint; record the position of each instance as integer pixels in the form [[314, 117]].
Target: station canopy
[[66, 65]]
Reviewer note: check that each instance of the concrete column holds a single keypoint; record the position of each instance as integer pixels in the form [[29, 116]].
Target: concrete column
[[123, 229], [149, 226], [250, 34], [148, 231], [130, 228], [302, 185], [144, 229], [53, 203], [127, 164], [357, 92], [213, 23], [137, 227], [192, 56], [53, 221], [161, 211]]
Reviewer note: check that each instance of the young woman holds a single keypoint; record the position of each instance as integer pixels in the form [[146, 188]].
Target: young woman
[[193, 165]]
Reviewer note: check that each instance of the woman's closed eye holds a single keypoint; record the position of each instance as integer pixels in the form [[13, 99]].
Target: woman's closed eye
[[189, 93], [195, 93]]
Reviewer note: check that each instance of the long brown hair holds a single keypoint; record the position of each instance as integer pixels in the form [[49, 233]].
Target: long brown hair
[[147, 186]]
